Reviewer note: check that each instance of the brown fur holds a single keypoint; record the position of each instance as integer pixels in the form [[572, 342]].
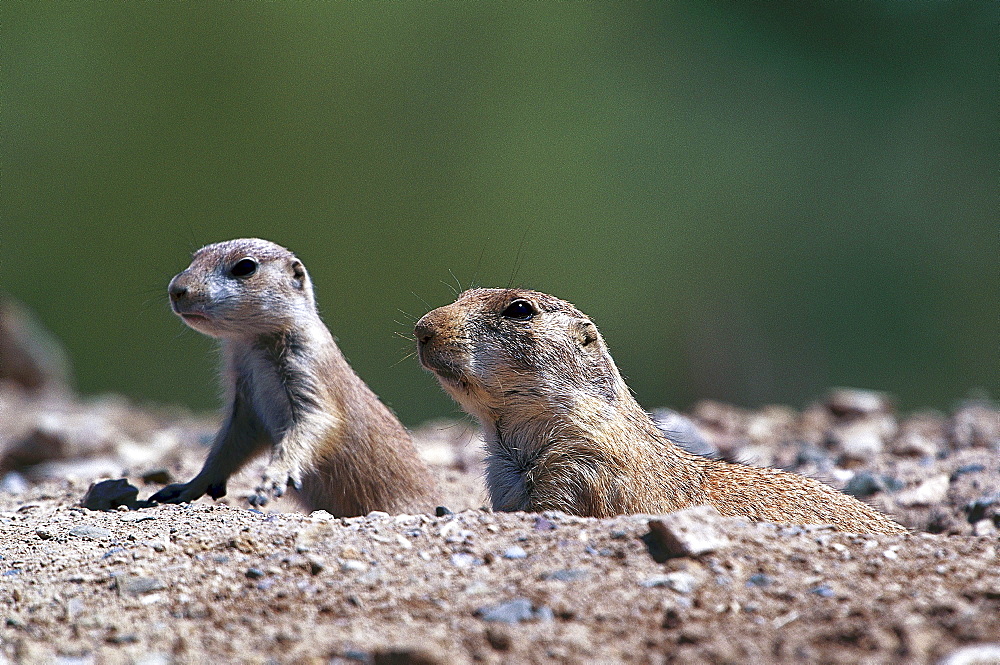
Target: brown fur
[[290, 389], [564, 432]]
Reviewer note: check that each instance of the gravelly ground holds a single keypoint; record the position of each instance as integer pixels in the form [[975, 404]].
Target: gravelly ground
[[221, 583]]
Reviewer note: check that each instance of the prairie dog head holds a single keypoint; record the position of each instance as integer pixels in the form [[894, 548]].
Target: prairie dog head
[[497, 350], [241, 289]]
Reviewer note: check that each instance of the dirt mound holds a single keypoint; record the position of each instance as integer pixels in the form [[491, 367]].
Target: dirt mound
[[217, 582]]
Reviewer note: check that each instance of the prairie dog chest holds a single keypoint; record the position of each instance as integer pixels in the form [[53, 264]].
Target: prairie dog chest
[[262, 385]]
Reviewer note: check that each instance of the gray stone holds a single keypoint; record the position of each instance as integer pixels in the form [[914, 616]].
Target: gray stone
[[566, 575], [464, 560], [823, 591], [14, 483], [353, 566], [679, 581], [689, 532], [865, 484], [137, 586], [760, 580], [90, 532], [515, 552], [863, 438], [513, 611], [932, 491]]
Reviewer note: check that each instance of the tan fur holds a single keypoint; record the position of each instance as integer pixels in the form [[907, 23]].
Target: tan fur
[[564, 433], [290, 389]]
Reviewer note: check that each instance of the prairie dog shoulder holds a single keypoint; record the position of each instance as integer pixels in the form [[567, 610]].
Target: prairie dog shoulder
[[290, 390], [564, 432]]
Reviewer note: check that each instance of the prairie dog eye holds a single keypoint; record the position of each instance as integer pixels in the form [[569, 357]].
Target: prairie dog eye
[[519, 310], [244, 267]]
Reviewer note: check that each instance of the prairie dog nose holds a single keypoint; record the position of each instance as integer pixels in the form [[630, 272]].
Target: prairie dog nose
[[423, 331], [176, 290]]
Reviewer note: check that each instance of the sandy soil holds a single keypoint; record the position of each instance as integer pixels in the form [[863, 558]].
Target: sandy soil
[[218, 582]]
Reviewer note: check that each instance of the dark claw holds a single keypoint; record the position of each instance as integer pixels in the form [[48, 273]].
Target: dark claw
[[216, 491], [258, 500], [169, 494], [297, 484], [278, 490]]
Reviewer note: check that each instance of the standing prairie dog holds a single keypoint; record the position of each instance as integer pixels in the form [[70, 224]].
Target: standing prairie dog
[[564, 433], [289, 389]]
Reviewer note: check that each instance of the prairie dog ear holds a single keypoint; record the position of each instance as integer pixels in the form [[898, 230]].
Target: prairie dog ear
[[585, 333], [298, 274]]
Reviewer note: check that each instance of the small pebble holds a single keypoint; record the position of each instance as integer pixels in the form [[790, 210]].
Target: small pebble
[[515, 552], [542, 524], [566, 575], [823, 591], [513, 611], [463, 560], [760, 580], [43, 533], [255, 573], [967, 468], [679, 581], [353, 566], [138, 585]]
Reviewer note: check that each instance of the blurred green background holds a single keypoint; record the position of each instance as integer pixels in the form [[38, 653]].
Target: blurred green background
[[754, 201]]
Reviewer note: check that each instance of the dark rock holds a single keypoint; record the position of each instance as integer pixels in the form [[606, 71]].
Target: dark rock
[[671, 619], [109, 494], [812, 455], [983, 508], [441, 511], [254, 573], [865, 484], [499, 638]]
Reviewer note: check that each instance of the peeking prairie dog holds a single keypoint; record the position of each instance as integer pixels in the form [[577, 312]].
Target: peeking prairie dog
[[290, 390], [564, 433]]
